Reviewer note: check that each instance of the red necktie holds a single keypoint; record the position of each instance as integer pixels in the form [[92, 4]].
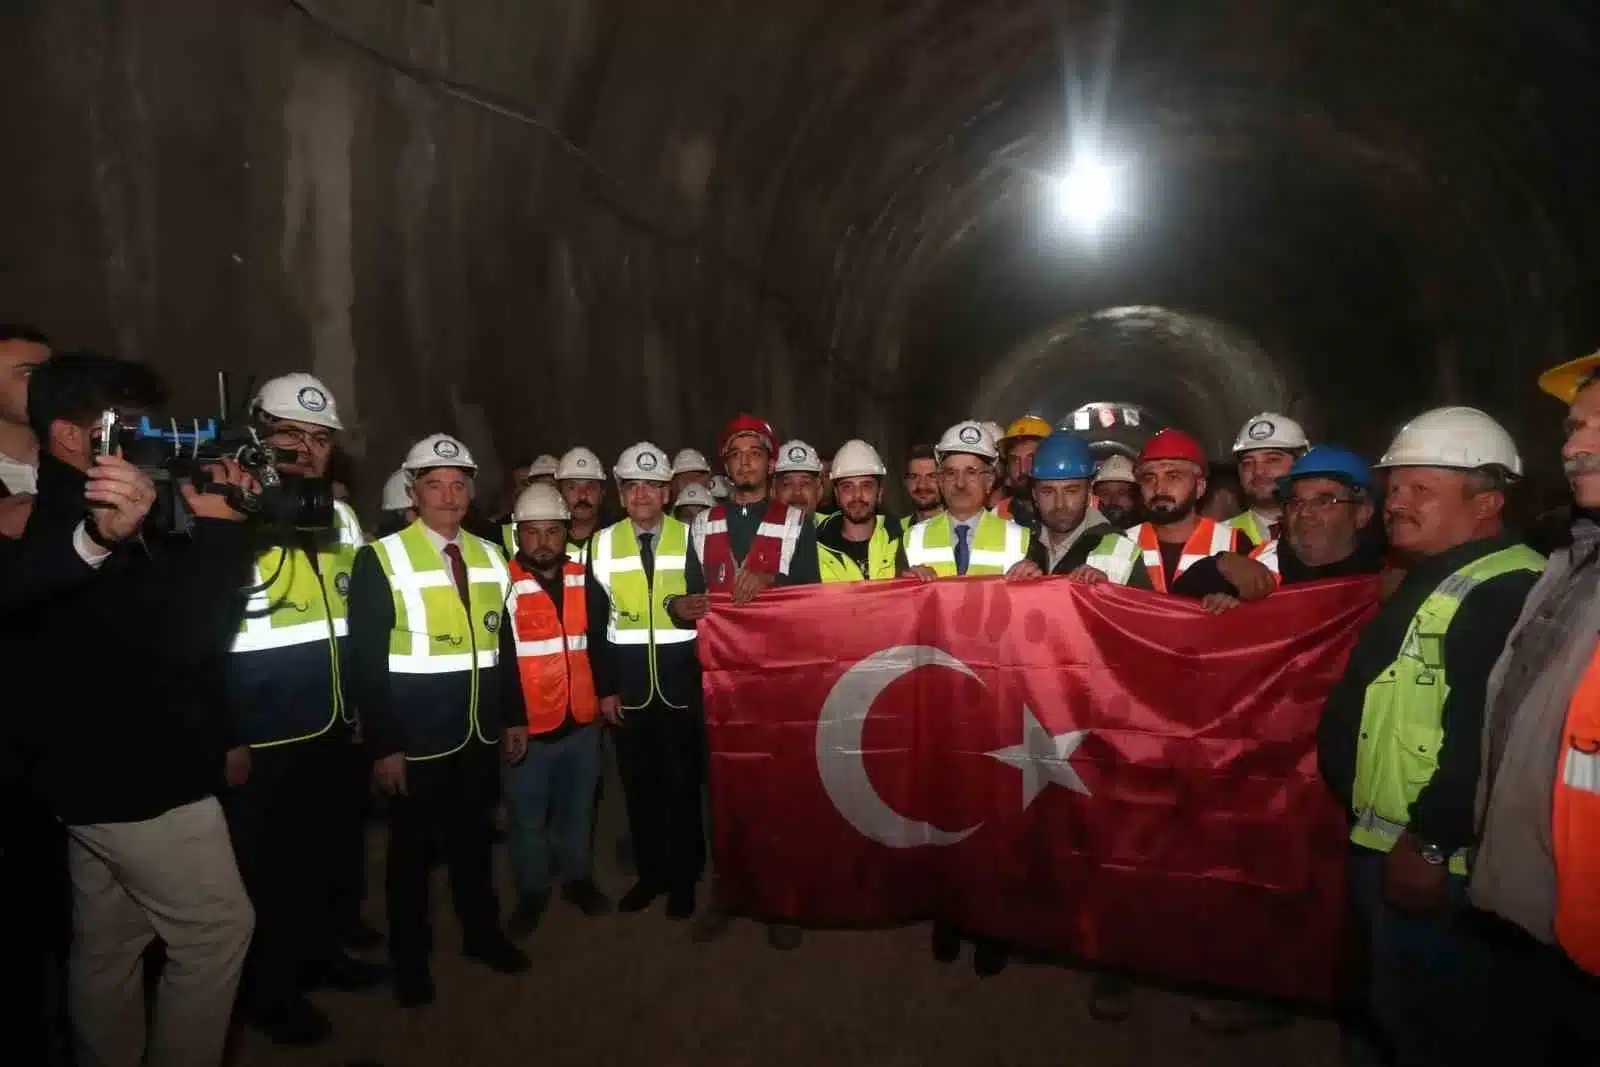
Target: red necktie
[[458, 571], [1274, 530]]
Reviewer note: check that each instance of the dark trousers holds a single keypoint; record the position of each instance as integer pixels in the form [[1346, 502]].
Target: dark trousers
[[35, 925], [448, 799], [659, 756], [1542, 1009], [285, 823], [349, 869], [1426, 974]]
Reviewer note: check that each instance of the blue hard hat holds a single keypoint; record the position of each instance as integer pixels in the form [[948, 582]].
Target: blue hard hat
[[1329, 461], [1062, 457]]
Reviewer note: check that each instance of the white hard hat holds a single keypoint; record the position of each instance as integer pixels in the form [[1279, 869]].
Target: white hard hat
[[540, 502], [580, 465], [997, 432], [1270, 430], [543, 467], [438, 450], [643, 462], [695, 495], [299, 397], [397, 492], [968, 437], [799, 458], [689, 461], [1116, 468], [1454, 438], [857, 459], [721, 488]]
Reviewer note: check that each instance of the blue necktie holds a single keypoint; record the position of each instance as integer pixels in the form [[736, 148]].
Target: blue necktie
[[963, 550]]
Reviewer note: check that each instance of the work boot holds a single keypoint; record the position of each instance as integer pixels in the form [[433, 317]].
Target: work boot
[[346, 974], [785, 937], [413, 986], [946, 943], [1231, 1018], [989, 957], [709, 924], [1110, 998], [638, 898], [498, 954], [582, 894], [295, 1022], [530, 910], [680, 904]]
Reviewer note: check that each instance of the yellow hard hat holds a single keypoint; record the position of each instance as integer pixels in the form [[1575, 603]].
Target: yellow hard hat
[[1027, 426], [1564, 381]]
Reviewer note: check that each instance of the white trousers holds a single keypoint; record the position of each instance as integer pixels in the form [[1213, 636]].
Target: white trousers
[[173, 876]]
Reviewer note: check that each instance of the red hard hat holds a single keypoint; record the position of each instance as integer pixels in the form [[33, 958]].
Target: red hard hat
[[1173, 444], [744, 424]]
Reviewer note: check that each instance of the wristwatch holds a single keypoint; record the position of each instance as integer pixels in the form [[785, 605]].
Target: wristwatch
[[1432, 853]]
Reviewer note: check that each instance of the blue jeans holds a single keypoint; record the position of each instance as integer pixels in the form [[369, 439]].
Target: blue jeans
[[550, 809], [1426, 975]]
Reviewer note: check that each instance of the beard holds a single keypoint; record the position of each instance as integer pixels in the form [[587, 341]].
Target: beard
[[1166, 510], [859, 513], [545, 560]]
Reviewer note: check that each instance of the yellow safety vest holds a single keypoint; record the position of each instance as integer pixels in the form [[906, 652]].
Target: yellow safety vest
[[835, 566], [997, 545], [1402, 717], [292, 602], [638, 604], [1247, 524], [1114, 556], [434, 633]]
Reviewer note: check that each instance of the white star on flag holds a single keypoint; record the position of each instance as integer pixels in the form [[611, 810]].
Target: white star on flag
[[1043, 758]]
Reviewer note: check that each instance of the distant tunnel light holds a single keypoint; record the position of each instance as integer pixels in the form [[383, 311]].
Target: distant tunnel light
[[1087, 195]]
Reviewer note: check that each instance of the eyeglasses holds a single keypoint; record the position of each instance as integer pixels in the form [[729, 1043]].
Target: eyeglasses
[[1320, 502]]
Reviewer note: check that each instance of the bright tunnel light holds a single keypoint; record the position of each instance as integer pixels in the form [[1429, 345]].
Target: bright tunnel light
[[1087, 195]]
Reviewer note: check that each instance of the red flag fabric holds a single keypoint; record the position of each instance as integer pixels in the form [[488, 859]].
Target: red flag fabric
[[1102, 771]]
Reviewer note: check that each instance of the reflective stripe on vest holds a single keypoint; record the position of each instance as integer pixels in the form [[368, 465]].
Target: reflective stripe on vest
[[1267, 556], [290, 603], [638, 604], [881, 551], [1115, 557], [997, 545], [1575, 826], [552, 650], [1402, 717], [433, 633], [1209, 538], [1249, 524], [713, 523]]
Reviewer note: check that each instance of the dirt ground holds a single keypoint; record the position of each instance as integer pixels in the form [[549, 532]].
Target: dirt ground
[[631, 991]]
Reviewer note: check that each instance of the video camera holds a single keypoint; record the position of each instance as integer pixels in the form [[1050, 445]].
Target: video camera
[[174, 450]]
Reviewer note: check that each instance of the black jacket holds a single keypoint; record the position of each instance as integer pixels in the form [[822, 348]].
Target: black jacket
[[1443, 812], [127, 723], [599, 610], [1205, 577], [1078, 554], [39, 567]]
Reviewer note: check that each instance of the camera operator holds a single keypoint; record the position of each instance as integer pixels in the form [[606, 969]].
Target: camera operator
[[293, 764], [127, 749]]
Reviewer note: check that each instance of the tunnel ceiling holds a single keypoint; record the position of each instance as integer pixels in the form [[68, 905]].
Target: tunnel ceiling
[[459, 210]]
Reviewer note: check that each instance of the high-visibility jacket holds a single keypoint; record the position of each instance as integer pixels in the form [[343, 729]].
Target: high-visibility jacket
[[284, 676], [1209, 538], [639, 621], [1402, 716], [1115, 556], [1575, 825], [552, 649], [576, 550], [439, 647], [1249, 524], [1267, 555], [882, 549], [997, 545]]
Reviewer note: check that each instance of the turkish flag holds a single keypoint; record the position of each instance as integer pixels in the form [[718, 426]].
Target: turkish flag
[[1097, 770]]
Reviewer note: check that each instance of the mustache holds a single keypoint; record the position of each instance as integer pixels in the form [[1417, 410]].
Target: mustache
[[1170, 501], [582, 505], [1586, 463]]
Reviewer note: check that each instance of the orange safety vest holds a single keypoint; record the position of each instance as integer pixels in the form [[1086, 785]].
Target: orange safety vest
[[1266, 554], [552, 652], [1209, 538], [1575, 826]]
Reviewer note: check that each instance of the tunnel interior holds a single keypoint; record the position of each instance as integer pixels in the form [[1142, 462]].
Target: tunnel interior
[[602, 221]]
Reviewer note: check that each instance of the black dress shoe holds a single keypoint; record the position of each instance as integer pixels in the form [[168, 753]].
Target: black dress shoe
[[946, 943], [587, 898], [680, 904], [295, 1022], [499, 955], [413, 987], [638, 898], [530, 911], [359, 937], [346, 974], [989, 957]]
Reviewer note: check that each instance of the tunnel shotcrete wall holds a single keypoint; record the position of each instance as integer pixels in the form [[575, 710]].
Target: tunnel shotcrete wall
[[606, 219]]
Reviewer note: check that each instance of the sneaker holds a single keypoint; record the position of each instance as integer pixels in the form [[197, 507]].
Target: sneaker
[[587, 898], [530, 910]]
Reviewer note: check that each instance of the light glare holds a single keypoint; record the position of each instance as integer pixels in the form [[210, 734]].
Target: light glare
[[1086, 196]]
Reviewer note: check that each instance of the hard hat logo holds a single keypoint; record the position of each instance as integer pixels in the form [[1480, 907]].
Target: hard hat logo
[[446, 449], [580, 462], [1260, 431], [797, 454], [970, 435], [491, 621], [647, 462], [312, 399]]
